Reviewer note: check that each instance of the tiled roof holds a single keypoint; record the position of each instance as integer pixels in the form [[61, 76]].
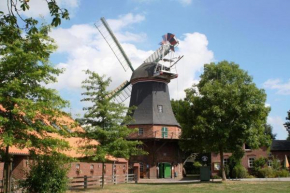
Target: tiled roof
[[280, 145], [75, 142]]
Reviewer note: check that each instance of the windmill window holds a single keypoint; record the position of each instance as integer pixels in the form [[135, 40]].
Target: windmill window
[[160, 108], [141, 131], [164, 132]]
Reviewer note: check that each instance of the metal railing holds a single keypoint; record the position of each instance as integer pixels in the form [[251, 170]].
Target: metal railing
[[85, 182]]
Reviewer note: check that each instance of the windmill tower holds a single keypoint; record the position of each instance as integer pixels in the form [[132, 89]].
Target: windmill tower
[[157, 126]]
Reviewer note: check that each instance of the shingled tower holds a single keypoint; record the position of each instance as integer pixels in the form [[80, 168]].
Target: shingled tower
[[148, 87], [158, 129]]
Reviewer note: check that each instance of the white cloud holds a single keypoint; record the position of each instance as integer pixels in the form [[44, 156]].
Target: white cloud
[[39, 7], [124, 21], [194, 48], [278, 127], [86, 49], [185, 2], [277, 84]]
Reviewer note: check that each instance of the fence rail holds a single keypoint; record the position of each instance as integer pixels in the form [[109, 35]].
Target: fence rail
[[15, 187], [84, 182]]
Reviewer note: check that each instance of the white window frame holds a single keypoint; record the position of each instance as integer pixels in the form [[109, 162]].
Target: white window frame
[[270, 163], [160, 108], [251, 162], [164, 132], [226, 161], [141, 167]]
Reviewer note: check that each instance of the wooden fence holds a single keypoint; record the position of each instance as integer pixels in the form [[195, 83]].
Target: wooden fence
[[91, 181], [15, 187]]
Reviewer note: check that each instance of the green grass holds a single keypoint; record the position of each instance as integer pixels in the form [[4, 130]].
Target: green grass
[[229, 186]]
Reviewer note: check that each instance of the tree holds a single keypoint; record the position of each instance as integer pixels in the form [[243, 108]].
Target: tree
[[105, 121], [287, 125], [269, 131], [48, 173], [227, 110], [24, 72]]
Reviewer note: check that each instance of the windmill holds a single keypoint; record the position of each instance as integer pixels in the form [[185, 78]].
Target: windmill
[[148, 91], [169, 42]]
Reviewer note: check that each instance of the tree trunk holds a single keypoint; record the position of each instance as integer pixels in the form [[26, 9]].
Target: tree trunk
[[103, 174], [222, 169], [6, 173]]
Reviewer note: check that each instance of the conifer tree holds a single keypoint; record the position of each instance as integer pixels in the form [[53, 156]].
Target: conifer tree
[[105, 121]]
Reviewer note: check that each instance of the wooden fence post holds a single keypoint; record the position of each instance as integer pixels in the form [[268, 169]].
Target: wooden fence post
[[85, 182]]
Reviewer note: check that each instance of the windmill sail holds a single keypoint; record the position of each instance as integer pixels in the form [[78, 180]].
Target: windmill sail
[[158, 54], [122, 92], [114, 44]]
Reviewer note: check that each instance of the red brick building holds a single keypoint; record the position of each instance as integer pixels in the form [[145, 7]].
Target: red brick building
[[279, 150], [21, 159], [247, 160]]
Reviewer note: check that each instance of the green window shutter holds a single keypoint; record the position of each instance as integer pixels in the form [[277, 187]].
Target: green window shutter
[[164, 132]]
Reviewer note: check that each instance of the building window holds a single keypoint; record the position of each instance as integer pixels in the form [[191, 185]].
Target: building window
[[141, 131], [216, 166], [78, 166], [55, 126], [92, 167], [141, 167], [164, 132], [270, 163], [251, 162], [160, 108], [226, 161], [247, 147]]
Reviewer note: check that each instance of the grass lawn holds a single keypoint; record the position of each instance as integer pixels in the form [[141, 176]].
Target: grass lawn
[[229, 186]]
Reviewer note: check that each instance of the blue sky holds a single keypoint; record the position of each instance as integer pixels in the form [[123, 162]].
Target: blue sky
[[253, 34]]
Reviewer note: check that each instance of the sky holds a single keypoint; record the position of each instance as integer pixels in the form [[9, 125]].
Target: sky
[[253, 34]]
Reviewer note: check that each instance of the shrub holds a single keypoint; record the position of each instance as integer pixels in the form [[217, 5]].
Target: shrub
[[282, 173], [197, 164], [250, 176], [239, 171], [258, 164], [48, 173], [216, 177], [266, 172], [276, 164]]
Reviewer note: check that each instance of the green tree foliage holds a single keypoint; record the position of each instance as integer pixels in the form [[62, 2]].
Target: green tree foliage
[[225, 111], [287, 125], [48, 173], [25, 48], [105, 121], [269, 131]]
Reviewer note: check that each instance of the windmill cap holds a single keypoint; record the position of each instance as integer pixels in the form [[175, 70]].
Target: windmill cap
[[146, 72]]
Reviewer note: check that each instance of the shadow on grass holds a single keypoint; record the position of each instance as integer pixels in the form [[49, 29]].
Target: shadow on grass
[[184, 183]]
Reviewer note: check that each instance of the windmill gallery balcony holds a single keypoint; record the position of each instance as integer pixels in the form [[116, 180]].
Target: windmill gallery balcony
[[155, 131]]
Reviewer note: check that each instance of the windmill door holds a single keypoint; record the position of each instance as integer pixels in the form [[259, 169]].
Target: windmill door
[[164, 170], [167, 170]]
